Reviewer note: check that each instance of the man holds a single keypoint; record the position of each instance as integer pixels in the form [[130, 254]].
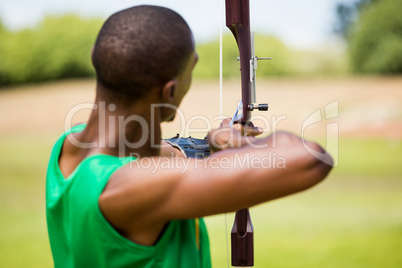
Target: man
[[106, 208]]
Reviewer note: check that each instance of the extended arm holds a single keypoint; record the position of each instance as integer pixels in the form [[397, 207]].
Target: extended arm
[[141, 199]]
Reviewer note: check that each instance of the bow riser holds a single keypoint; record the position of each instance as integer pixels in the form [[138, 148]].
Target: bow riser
[[238, 21]]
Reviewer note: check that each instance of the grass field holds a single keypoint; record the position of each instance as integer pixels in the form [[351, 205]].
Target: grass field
[[353, 219]]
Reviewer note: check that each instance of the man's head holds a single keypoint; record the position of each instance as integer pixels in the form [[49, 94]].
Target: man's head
[[140, 49]]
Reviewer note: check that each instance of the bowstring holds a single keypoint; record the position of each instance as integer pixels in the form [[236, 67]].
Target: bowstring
[[221, 108], [221, 60]]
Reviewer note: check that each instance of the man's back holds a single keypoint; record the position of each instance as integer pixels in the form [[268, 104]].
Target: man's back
[[80, 236]]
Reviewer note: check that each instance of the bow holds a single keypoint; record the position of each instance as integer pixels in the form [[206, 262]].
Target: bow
[[238, 21]]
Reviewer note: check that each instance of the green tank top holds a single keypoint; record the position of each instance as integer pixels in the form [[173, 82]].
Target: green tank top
[[80, 236]]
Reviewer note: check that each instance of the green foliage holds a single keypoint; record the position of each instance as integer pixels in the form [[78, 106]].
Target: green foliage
[[60, 47], [324, 61], [208, 65], [281, 63], [347, 14], [208, 61], [375, 45]]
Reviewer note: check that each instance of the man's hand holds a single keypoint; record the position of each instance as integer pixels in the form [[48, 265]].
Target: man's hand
[[226, 137]]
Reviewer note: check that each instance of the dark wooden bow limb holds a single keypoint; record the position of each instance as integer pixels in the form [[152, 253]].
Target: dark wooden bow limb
[[238, 21]]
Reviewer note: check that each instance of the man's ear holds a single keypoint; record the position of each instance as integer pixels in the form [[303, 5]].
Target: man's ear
[[169, 91]]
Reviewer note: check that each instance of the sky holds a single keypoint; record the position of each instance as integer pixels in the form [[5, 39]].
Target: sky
[[301, 24]]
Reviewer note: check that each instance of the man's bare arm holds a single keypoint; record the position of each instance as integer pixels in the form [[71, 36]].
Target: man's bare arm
[[145, 197]]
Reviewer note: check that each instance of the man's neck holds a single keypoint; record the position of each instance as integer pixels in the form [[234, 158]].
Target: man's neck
[[122, 131]]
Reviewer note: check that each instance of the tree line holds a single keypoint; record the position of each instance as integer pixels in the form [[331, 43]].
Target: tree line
[[373, 32], [60, 47]]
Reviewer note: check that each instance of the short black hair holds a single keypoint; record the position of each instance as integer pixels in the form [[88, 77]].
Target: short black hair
[[140, 48]]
